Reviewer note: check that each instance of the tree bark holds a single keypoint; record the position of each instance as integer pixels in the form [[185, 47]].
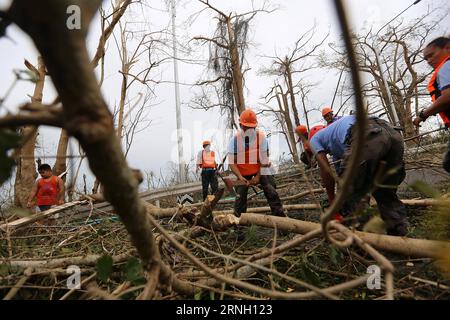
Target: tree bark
[[291, 92], [401, 245], [61, 154], [290, 128], [238, 83]]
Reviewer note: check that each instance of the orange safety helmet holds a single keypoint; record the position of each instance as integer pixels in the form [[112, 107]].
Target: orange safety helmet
[[206, 142], [301, 130], [326, 111], [248, 118], [314, 130]]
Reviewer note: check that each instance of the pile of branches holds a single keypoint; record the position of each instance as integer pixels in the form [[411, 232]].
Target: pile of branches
[[41, 261]]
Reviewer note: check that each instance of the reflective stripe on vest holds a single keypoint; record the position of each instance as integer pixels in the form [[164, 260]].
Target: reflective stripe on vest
[[208, 160], [435, 93], [47, 191], [248, 161]]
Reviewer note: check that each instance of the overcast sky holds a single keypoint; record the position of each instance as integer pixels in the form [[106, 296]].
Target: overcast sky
[[270, 34]]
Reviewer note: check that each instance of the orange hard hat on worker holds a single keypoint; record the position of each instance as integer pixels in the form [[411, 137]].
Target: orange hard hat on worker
[[301, 130], [248, 118], [314, 130], [206, 142], [326, 111]]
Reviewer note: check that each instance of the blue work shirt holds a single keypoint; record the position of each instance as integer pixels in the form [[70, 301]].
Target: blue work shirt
[[443, 76], [331, 139]]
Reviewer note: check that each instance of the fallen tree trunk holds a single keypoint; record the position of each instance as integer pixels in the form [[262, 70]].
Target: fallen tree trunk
[[406, 246], [64, 262], [38, 216]]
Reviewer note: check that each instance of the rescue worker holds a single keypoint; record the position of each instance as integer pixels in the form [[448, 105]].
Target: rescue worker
[[302, 131], [327, 114], [437, 54], [382, 159], [247, 152], [206, 160]]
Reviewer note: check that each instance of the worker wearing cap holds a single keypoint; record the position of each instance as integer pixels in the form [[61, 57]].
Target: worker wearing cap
[[302, 131], [206, 160], [247, 152], [382, 159], [327, 114]]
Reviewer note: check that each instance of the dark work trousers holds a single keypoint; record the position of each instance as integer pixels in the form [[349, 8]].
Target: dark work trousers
[[446, 162], [381, 170], [306, 159], [268, 185], [44, 207], [209, 177]]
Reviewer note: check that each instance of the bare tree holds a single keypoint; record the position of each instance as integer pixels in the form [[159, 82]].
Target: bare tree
[[283, 118], [297, 61], [227, 50], [144, 50], [400, 52], [26, 168], [118, 11]]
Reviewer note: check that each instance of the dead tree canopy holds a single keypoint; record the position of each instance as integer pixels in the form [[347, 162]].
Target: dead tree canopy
[[298, 61], [400, 51], [227, 49]]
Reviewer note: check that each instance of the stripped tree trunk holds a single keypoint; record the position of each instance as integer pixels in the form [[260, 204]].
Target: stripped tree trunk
[[291, 92], [61, 154], [238, 83], [290, 128], [123, 89], [26, 169]]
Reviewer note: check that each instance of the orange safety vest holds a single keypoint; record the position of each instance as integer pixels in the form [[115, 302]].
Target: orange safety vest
[[435, 93], [208, 160], [47, 191], [248, 158]]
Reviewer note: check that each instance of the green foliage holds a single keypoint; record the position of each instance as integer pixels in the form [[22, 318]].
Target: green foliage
[[9, 139], [336, 256], [4, 270], [134, 271], [198, 295], [251, 233], [424, 189], [21, 212], [309, 275], [104, 267]]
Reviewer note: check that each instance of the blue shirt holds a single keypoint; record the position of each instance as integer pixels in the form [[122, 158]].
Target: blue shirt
[[443, 76], [331, 139]]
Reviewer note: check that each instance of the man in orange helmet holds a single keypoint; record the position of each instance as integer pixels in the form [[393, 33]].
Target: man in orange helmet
[[327, 114], [206, 160], [437, 54], [302, 131], [247, 152]]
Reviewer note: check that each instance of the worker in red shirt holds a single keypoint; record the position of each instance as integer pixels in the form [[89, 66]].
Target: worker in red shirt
[[48, 190]]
